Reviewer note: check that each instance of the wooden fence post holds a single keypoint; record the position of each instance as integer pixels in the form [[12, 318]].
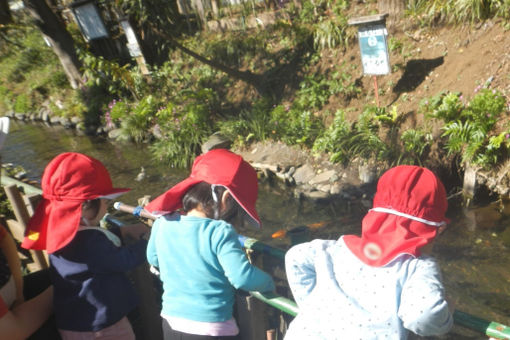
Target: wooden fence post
[[18, 226]]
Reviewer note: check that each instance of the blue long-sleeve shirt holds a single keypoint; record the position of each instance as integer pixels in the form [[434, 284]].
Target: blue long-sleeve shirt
[[91, 289], [201, 263], [340, 297]]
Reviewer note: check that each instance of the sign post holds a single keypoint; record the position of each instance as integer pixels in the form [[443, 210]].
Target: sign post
[[373, 46], [133, 46], [89, 20]]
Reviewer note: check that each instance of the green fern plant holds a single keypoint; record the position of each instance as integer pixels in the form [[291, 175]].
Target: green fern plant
[[470, 133], [472, 10], [328, 140], [330, 34], [135, 126], [182, 129], [415, 143], [446, 106]]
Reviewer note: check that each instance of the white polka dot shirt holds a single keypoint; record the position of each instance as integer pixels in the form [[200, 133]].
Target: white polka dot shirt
[[340, 297]]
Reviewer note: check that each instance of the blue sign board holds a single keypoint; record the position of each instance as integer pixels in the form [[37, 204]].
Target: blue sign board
[[374, 50], [90, 21]]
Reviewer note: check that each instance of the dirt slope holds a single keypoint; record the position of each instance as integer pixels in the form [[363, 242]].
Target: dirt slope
[[446, 59]]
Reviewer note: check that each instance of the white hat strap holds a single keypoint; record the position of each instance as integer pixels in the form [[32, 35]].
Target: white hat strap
[[214, 194], [411, 217]]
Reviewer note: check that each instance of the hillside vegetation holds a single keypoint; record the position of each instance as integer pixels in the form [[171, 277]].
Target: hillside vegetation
[[445, 104]]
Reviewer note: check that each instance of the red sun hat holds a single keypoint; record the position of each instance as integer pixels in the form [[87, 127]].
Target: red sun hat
[[409, 206], [218, 167], [68, 180]]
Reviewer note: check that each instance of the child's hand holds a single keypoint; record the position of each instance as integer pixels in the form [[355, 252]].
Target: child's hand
[[134, 232], [451, 304]]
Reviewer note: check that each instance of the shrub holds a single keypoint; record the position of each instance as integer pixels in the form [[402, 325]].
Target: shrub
[[22, 104], [253, 124], [295, 125], [330, 139], [445, 106], [330, 34], [470, 129], [182, 135], [118, 110], [135, 126], [415, 143]]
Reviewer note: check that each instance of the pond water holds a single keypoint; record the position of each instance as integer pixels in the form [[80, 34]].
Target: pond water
[[472, 251]]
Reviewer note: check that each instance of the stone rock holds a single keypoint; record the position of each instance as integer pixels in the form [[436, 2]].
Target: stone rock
[[76, 120], [336, 189], [10, 114], [324, 187], [45, 115], [216, 141], [291, 171], [20, 175], [316, 195], [55, 120], [304, 174], [367, 173], [114, 134], [20, 116], [469, 185], [67, 123], [323, 177], [80, 126], [156, 132]]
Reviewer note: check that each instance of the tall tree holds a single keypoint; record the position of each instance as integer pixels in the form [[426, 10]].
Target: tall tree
[[392, 7], [5, 13], [61, 41]]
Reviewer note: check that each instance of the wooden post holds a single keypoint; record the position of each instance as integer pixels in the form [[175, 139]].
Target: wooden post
[[31, 202], [250, 317], [376, 89], [18, 227], [251, 312]]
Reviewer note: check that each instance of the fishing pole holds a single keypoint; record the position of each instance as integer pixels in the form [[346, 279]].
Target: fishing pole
[[490, 328], [246, 242]]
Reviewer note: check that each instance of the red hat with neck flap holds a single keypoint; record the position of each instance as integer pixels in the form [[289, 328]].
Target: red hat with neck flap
[[68, 180], [216, 167], [409, 206]]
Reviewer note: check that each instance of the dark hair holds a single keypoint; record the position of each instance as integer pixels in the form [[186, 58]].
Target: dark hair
[[92, 205], [200, 195]]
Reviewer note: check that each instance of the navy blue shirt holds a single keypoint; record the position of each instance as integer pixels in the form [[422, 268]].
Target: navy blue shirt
[[91, 289]]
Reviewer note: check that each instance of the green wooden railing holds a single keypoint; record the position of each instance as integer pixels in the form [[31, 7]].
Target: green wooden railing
[[489, 328]]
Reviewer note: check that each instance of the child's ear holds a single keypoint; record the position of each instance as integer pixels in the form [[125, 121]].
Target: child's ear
[[224, 198], [87, 213]]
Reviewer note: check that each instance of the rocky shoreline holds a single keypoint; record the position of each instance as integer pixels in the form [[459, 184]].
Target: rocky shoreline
[[310, 176]]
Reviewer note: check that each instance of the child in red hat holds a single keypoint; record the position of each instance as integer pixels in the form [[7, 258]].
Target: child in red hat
[[92, 295], [383, 284], [197, 251]]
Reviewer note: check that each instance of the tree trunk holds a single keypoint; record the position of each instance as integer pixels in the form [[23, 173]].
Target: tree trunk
[[392, 7], [199, 7], [5, 13], [61, 41]]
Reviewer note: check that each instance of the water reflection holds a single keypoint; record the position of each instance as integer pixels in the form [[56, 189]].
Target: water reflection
[[473, 257]]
